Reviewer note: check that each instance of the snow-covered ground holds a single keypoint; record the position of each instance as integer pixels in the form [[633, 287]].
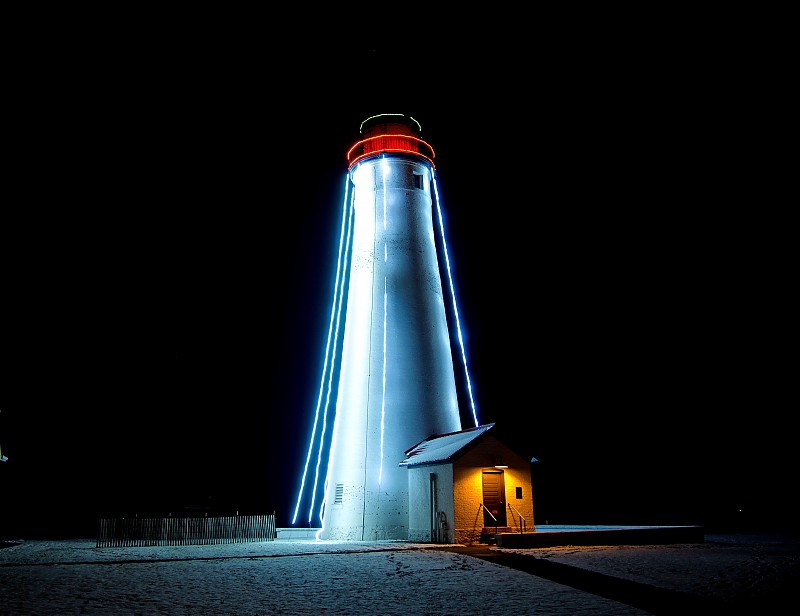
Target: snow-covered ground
[[310, 577]]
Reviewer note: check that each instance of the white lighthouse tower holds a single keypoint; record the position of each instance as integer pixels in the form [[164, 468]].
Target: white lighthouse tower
[[396, 381]]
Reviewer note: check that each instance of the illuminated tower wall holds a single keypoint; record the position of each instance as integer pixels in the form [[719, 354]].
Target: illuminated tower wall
[[396, 383]]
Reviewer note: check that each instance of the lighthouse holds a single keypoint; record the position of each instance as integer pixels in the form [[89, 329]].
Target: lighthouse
[[396, 380]]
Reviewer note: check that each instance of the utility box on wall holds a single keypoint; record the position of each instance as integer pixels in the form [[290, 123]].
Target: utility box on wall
[[463, 482]]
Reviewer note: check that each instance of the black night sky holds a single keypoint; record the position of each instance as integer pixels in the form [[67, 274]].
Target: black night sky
[[168, 244]]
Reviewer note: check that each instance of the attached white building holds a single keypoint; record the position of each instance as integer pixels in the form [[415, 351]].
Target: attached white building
[[465, 486]]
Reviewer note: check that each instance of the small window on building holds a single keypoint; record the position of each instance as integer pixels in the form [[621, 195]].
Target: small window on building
[[418, 183], [339, 492], [519, 492]]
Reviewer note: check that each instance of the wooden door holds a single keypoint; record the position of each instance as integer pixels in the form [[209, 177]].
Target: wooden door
[[494, 498]]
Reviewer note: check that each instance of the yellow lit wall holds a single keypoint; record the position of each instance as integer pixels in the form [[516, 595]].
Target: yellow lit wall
[[468, 488]]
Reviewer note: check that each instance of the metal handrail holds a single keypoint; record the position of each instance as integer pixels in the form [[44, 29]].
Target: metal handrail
[[522, 527], [491, 514]]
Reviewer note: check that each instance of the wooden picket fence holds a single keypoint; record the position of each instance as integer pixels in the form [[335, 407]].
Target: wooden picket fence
[[134, 532]]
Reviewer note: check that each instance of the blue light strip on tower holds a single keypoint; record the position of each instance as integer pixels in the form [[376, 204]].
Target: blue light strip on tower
[[453, 295], [337, 329], [385, 169], [330, 351]]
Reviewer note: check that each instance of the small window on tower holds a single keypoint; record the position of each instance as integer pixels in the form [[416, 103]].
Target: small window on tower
[[519, 492], [339, 492], [418, 183]]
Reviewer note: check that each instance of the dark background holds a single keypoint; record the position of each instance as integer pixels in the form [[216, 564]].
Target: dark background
[[169, 237]]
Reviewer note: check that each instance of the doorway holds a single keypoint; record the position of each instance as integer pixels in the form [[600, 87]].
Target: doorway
[[494, 498]]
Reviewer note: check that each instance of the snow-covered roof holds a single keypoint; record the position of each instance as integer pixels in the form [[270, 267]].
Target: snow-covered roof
[[442, 447]]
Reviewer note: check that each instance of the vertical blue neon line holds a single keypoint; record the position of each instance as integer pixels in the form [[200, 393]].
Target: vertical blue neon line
[[339, 270], [385, 309], [337, 329], [348, 250], [453, 295]]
